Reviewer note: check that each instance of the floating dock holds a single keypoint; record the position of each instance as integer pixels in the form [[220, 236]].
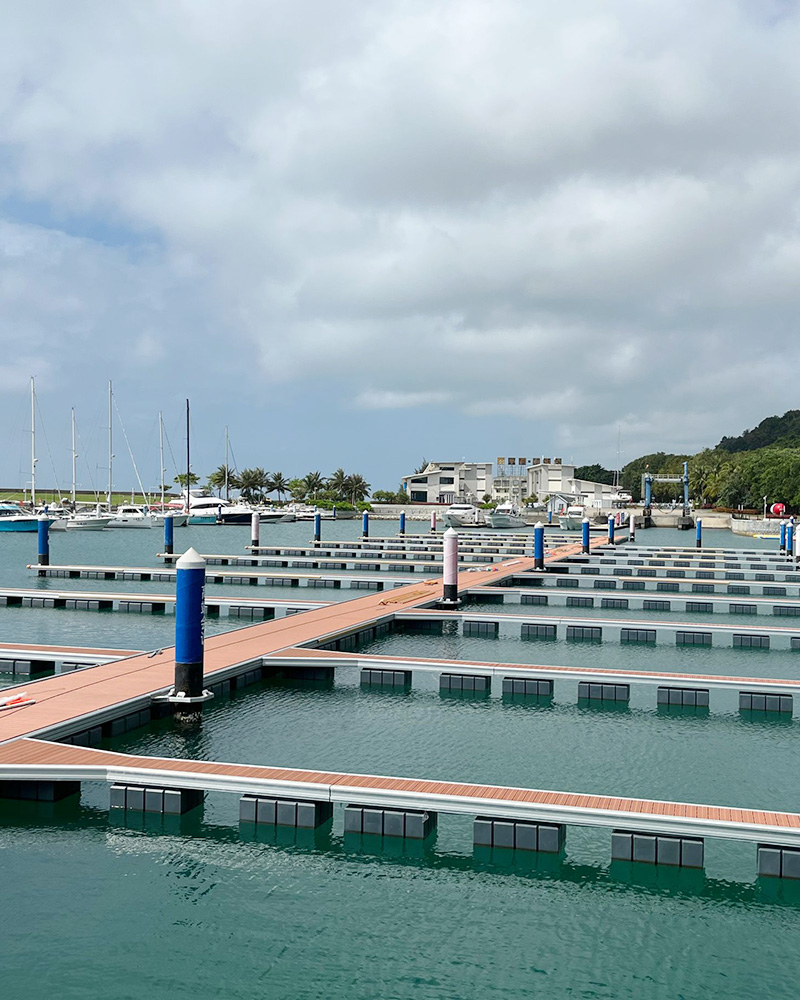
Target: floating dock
[[80, 710], [26, 762]]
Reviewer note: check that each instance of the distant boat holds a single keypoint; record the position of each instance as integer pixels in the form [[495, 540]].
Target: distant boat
[[572, 518], [179, 519], [276, 515], [67, 520], [87, 522], [130, 516], [464, 515], [307, 512], [507, 515], [14, 518], [207, 509]]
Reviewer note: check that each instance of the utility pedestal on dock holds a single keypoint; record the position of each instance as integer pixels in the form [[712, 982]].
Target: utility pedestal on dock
[[538, 545], [255, 529], [44, 540], [188, 693], [169, 534], [450, 555]]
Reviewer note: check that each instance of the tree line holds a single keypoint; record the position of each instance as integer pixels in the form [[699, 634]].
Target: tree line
[[723, 478], [256, 485]]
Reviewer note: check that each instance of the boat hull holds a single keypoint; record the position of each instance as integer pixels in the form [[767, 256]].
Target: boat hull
[[454, 521], [24, 524], [178, 520], [570, 523], [237, 518], [86, 523], [506, 521]]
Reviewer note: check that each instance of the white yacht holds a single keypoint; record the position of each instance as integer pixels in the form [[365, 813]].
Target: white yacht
[[86, 521], [207, 509], [464, 515], [307, 512], [179, 519], [83, 520], [15, 518], [572, 518], [275, 515], [507, 515], [130, 516]]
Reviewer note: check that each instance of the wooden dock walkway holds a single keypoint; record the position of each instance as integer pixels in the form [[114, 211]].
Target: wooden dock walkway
[[67, 702], [36, 760]]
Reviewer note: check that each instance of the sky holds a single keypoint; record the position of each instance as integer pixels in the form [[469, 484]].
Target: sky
[[364, 234]]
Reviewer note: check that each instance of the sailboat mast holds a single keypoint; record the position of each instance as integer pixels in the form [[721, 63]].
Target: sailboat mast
[[110, 441], [161, 454], [74, 458], [227, 490], [188, 458], [33, 442]]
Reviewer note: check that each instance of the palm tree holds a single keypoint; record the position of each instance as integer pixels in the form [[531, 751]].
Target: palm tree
[[180, 479], [357, 489], [221, 477], [278, 483], [337, 484], [253, 483], [314, 483]]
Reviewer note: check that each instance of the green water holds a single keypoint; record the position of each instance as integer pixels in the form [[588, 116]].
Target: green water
[[96, 908]]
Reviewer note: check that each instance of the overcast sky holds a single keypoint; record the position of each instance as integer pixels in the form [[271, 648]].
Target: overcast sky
[[363, 233]]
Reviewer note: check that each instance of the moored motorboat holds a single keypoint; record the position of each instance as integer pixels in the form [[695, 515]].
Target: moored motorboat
[[130, 516], [276, 515], [464, 515], [86, 522], [506, 515], [572, 518], [208, 509], [179, 520], [14, 518]]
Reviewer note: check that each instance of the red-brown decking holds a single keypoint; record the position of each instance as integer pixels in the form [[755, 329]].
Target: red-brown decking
[[66, 651], [54, 759], [65, 697]]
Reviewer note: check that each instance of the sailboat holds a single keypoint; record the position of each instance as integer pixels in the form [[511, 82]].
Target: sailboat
[[76, 520], [12, 516], [179, 519], [126, 515]]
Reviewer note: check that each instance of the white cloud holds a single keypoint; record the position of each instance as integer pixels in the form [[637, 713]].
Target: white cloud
[[574, 215], [387, 400]]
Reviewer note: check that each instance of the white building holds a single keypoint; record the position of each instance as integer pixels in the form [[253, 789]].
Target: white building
[[511, 480], [446, 482], [549, 477], [516, 479]]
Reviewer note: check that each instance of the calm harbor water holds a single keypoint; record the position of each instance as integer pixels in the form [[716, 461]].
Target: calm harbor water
[[96, 908]]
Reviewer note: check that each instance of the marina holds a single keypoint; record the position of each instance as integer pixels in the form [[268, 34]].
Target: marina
[[97, 735], [400, 514]]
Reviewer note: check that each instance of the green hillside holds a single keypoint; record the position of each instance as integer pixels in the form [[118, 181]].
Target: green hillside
[[740, 471], [773, 431]]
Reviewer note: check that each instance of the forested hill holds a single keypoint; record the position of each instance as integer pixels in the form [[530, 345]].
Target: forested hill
[[782, 431], [763, 462]]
